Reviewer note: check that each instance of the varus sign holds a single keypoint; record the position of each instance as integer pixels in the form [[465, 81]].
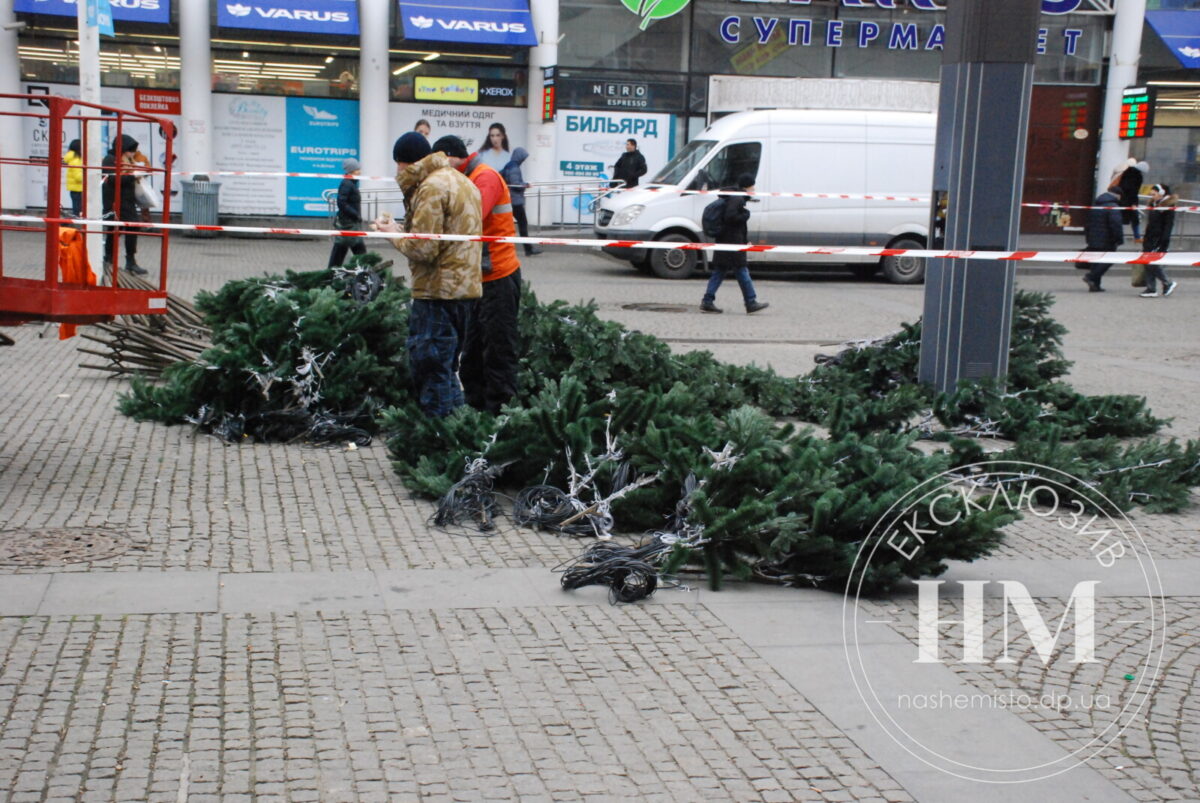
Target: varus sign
[[502, 22], [302, 16], [127, 10]]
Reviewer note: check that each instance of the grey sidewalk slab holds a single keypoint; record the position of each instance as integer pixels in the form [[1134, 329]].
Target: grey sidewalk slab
[[809, 654], [261, 592], [130, 592], [21, 594]]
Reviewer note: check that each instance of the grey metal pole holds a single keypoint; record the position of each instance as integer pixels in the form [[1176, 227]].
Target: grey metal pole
[[979, 168]]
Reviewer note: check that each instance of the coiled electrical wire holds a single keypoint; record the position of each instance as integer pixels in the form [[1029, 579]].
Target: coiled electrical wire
[[629, 577], [546, 507]]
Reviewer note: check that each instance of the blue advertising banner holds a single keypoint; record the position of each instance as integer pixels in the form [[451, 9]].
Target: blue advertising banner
[[320, 133], [304, 16], [1180, 32], [504, 22], [122, 10]]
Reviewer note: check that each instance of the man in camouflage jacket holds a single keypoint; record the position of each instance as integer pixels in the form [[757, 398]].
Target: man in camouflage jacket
[[446, 274]]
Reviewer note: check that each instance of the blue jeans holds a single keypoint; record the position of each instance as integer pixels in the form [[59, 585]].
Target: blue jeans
[[742, 274], [436, 331]]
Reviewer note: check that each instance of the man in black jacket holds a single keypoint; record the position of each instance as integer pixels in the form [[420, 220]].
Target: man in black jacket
[[733, 230], [1103, 231], [630, 166]]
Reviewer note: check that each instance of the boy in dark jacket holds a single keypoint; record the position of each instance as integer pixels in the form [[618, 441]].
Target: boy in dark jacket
[[733, 230], [1103, 231], [1159, 222], [349, 215]]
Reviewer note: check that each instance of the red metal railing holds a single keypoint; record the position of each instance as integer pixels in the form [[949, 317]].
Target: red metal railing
[[51, 298]]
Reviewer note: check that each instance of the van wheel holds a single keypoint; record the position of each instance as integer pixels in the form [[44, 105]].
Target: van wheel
[[673, 263], [904, 269]]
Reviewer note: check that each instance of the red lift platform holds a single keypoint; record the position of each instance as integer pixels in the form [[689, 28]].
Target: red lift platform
[[63, 293]]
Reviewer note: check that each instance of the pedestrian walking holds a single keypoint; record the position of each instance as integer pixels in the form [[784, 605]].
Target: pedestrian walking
[[445, 273], [349, 215], [1160, 220], [495, 153], [1104, 232], [630, 166], [490, 354], [733, 229], [73, 159], [1128, 186], [120, 202], [516, 187]]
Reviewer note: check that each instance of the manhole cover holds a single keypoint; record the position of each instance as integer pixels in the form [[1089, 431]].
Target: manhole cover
[[57, 546], [650, 306]]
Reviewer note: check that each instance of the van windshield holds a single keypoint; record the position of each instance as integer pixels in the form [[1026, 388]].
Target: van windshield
[[684, 161]]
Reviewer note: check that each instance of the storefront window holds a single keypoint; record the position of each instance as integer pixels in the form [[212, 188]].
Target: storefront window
[[605, 34], [733, 38], [55, 60]]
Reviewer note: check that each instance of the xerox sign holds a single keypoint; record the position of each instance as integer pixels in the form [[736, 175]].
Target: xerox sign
[[504, 22], [304, 16], [122, 10]]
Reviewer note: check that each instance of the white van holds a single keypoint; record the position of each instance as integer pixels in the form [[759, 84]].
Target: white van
[[790, 150]]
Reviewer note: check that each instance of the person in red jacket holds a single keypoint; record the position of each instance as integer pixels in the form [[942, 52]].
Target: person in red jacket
[[489, 361]]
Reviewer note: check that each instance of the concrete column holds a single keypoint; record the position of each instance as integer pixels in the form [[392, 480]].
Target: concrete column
[[541, 165], [194, 144], [374, 137], [89, 92], [12, 177], [1122, 72], [979, 168]]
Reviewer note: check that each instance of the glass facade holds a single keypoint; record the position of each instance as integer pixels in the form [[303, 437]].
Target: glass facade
[[269, 63]]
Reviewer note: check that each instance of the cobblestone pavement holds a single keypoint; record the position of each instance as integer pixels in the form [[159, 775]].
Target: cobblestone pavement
[[1158, 756], [547, 702]]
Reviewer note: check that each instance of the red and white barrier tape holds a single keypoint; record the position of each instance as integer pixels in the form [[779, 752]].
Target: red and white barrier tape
[[1113, 257]]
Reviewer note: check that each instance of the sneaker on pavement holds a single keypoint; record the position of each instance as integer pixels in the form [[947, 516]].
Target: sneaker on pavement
[[135, 269], [1170, 288], [708, 306], [1093, 286], [1149, 294], [756, 306], [532, 252]]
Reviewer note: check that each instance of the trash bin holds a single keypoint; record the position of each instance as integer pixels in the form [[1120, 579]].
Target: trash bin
[[200, 204]]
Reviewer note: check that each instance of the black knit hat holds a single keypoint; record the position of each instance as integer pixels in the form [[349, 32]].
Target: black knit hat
[[745, 180], [410, 147], [452, 146]]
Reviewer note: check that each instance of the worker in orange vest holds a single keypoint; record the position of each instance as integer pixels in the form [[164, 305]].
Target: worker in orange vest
[[489, 361]]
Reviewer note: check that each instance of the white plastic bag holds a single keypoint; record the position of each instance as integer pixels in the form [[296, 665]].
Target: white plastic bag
[[145, 194]]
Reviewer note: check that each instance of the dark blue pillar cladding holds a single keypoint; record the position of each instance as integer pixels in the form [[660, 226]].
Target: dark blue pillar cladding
[[979, 167]]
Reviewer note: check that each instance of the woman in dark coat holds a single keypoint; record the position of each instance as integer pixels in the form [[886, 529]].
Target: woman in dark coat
[[1160, 220], [121, 205]]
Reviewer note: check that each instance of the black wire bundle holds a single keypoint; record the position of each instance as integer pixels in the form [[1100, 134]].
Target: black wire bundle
[[363, 283], [470, 500], [284, 426], [545, 507], [626, 571]]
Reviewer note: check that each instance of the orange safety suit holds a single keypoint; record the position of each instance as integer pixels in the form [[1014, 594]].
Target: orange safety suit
[[498, 220], [73, 268]]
